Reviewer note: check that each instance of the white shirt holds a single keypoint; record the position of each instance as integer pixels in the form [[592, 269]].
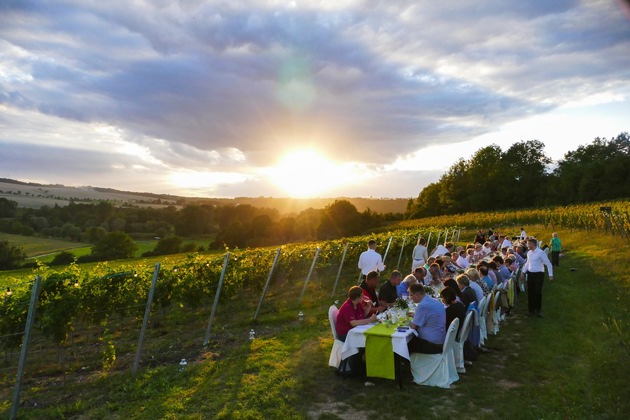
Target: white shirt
[[536, 262], [370, 260], [523, 235], [506, 243], [440, 250], [462, 262]]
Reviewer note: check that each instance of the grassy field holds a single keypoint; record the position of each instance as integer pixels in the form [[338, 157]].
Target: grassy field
[[573, 363], [45, 249]]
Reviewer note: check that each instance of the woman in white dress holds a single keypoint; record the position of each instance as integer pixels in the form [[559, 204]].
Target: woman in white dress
[[420, 254]]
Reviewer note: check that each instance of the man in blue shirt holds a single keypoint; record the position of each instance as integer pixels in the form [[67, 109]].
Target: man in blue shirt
[[429, 321]]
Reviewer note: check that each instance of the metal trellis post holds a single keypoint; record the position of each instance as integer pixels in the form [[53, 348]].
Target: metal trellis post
[[262, 297], [145, 322], [30, 318], [308, 277], [343, 258], [206, 337]]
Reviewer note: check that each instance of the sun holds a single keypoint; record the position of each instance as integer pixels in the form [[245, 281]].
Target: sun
[[307, 173]]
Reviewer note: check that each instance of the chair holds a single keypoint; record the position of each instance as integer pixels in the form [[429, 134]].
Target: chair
[[458, 346], [335, 353], [483, 312], [437, 369], [496, 316]]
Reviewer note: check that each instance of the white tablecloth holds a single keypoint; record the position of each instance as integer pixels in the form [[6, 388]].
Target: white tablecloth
[[356, 340]]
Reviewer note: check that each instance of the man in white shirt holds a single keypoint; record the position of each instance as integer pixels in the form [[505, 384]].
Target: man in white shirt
[[523, 234], [535, 269], [506, 243], [370, 260], [442, 249]]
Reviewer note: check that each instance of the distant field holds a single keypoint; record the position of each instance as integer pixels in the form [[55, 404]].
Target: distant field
[[45, 249], [35, 246]]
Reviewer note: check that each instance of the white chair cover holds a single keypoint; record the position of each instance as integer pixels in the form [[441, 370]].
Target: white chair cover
[[335, 354], [496, 316], [483, 311], [458, 346], [437, 369]]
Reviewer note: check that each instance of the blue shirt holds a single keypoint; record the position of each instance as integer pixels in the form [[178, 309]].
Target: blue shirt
[[488, 281], [430, 317]]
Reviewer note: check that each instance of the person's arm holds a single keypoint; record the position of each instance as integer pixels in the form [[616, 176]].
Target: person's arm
[[364, 321], [548, 265]]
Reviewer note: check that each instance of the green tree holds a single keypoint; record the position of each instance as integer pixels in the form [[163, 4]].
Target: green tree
[[340, 218], [171, 244], [115, 245], [10, 256], [7, 207]]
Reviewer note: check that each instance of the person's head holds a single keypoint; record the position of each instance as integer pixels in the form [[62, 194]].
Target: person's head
[[448, 295], [498, 260], [372, 244], [453, 285], [410, 279], [522, 229], [492, 266], [416, 292], [483, 270], [532, 244], [430, 261], [422, 241], [372, 279], [554, 235], [463, 281], [463, 253], [395, 278], [420, 272], [439, 262], [510, 260], [355, 294], [449, 246], [472, 274], [434, 269]]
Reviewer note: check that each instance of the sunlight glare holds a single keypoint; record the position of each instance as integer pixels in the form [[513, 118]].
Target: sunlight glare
[[306, 173]]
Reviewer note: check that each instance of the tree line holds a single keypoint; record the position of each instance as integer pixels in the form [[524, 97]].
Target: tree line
[[523, 176], [112, 228]]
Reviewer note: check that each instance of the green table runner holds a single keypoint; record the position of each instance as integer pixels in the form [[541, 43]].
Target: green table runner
[[379, 352]]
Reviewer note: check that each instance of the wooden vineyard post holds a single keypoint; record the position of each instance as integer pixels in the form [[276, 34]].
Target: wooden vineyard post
[[262, 297], [206, 337], [30, 318], [145, 322]]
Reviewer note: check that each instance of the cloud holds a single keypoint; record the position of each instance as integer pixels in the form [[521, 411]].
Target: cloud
[[228, 86]]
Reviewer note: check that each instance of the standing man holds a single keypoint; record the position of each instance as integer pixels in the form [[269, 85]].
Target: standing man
[[535, 269], [370, 260]]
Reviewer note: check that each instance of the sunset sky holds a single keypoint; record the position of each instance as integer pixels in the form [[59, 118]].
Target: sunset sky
[[299, 98]]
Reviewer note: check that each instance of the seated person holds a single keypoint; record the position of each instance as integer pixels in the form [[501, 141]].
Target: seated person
[[429, 322], [352, 313], [442, 249], [368, 285], [435, 275], [418, 275], [468, 294], [463, 261], [454, 308], [483, 272], [388, 294], [473, 276]]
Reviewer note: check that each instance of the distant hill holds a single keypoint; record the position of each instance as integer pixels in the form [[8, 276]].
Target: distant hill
[[34, 195]]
